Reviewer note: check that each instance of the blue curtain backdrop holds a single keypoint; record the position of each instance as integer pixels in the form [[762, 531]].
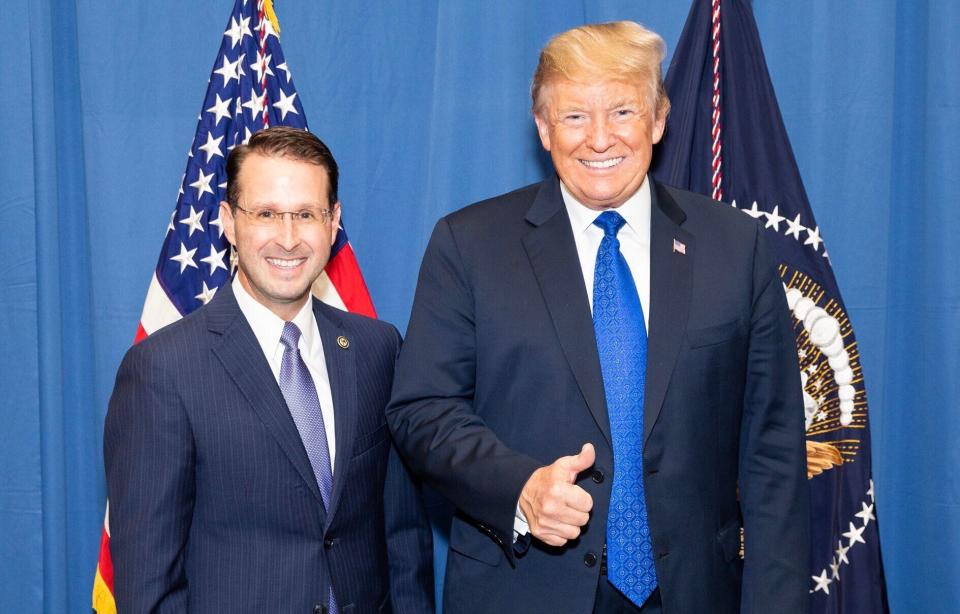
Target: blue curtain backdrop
[[425, 105]]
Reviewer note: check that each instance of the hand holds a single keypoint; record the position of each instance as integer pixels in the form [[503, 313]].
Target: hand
[[554, 505]]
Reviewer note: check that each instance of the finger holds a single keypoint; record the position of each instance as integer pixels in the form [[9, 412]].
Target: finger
[[570, 517], [578, 499], [563, 532], [551, 540]]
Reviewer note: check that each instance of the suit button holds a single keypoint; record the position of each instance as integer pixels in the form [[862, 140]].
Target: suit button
[[328, 543], [597, 476], [589, 559]]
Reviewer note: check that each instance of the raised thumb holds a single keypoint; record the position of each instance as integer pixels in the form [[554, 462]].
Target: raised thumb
[[584, 459]]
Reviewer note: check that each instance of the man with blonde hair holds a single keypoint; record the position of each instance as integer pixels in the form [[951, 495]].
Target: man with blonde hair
[[599, 373]]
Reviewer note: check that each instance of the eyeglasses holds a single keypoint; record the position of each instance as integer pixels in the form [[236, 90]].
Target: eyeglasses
[[304, 217]]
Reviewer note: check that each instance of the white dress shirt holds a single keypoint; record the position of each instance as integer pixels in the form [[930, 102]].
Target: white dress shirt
[[634, 245], [634, 240], [267, 327]]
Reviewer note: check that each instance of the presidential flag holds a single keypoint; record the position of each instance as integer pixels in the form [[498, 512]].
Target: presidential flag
[[250, 88], [725, 138]]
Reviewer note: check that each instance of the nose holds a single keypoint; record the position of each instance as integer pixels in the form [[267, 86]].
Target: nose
[[599, 137], [288, 236]]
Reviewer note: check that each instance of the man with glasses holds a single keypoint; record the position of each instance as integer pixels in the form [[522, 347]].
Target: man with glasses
[[249, 466]]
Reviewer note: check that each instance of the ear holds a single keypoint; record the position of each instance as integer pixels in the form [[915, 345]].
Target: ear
[[336, 222], [543, 129], [227, 222], [659, 125]]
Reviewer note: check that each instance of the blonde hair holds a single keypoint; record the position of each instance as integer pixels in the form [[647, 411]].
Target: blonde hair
[[622, 50]]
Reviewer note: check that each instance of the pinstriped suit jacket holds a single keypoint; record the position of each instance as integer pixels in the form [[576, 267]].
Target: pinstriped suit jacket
[[214, 506]]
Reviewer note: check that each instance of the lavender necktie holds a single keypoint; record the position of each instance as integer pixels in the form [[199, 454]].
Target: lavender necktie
[[300, 393]]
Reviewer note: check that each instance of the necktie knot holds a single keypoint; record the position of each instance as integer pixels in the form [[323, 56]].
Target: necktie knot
[[611, 222], [290, 336]]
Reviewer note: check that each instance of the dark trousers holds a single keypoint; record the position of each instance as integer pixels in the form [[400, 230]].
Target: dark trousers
[[611, 601]]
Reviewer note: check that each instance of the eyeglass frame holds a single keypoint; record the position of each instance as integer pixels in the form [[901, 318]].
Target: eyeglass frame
[[324, 215]]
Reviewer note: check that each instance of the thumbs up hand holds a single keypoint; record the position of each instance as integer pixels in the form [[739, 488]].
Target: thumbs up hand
[[555, 507]]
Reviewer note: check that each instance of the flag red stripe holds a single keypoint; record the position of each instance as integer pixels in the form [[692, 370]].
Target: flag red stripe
[[344, 274], [141, 334], [105, 564]]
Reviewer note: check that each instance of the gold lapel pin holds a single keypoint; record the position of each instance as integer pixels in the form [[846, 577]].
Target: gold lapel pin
[[343, 342]]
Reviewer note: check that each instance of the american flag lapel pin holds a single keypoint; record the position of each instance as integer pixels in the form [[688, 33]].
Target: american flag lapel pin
[[679, 247]]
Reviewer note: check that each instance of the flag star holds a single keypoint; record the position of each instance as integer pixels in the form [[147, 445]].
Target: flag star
[[218, 224], [228, 71], [855, 535], [813, 238], [870, 490], [774, 218], [237, 30], [173, 214], [240, 71], [821, 415], [835, 569], [866, 514], [221, 108], [733, 203], [285, 104], [255, 104], [185, 257], [211, 147], [193, 221], [248, 134], [794, 228], [206, 294], [823, 582], [286, 70], [842, 553], [215, 259], [222, 186], [262, 65], [267, 26], [202, 184], [753, 211], [180, 191]]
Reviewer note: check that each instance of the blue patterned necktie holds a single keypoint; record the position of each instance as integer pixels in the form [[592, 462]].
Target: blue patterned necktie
[[622, 345], [300, 393]]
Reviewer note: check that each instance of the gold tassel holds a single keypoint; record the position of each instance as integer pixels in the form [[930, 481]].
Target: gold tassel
[[271, 15]]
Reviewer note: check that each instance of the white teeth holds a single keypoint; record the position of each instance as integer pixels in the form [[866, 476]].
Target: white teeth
[[602, 163], [286, 264]]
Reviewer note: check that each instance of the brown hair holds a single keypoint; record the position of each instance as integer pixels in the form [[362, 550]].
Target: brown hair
[[616, 50], [282, 142]]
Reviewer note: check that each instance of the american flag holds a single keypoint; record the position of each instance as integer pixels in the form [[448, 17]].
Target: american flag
[[250, 88]]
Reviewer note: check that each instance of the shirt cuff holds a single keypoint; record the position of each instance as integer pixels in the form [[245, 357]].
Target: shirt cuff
[[520, 526]]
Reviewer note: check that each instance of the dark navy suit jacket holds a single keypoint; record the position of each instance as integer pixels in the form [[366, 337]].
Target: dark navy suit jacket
[[500, 375], [213, 503]]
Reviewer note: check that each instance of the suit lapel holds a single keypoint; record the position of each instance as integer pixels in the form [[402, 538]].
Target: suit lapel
[[671, 280], [342, 371], [553, 256], [243, 359]]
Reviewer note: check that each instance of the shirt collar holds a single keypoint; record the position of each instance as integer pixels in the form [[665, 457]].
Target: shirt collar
[[636, 210], [267, 326]]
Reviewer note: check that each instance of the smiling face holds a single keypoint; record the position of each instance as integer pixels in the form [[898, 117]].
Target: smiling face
[[277, 264], [600, 135]]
